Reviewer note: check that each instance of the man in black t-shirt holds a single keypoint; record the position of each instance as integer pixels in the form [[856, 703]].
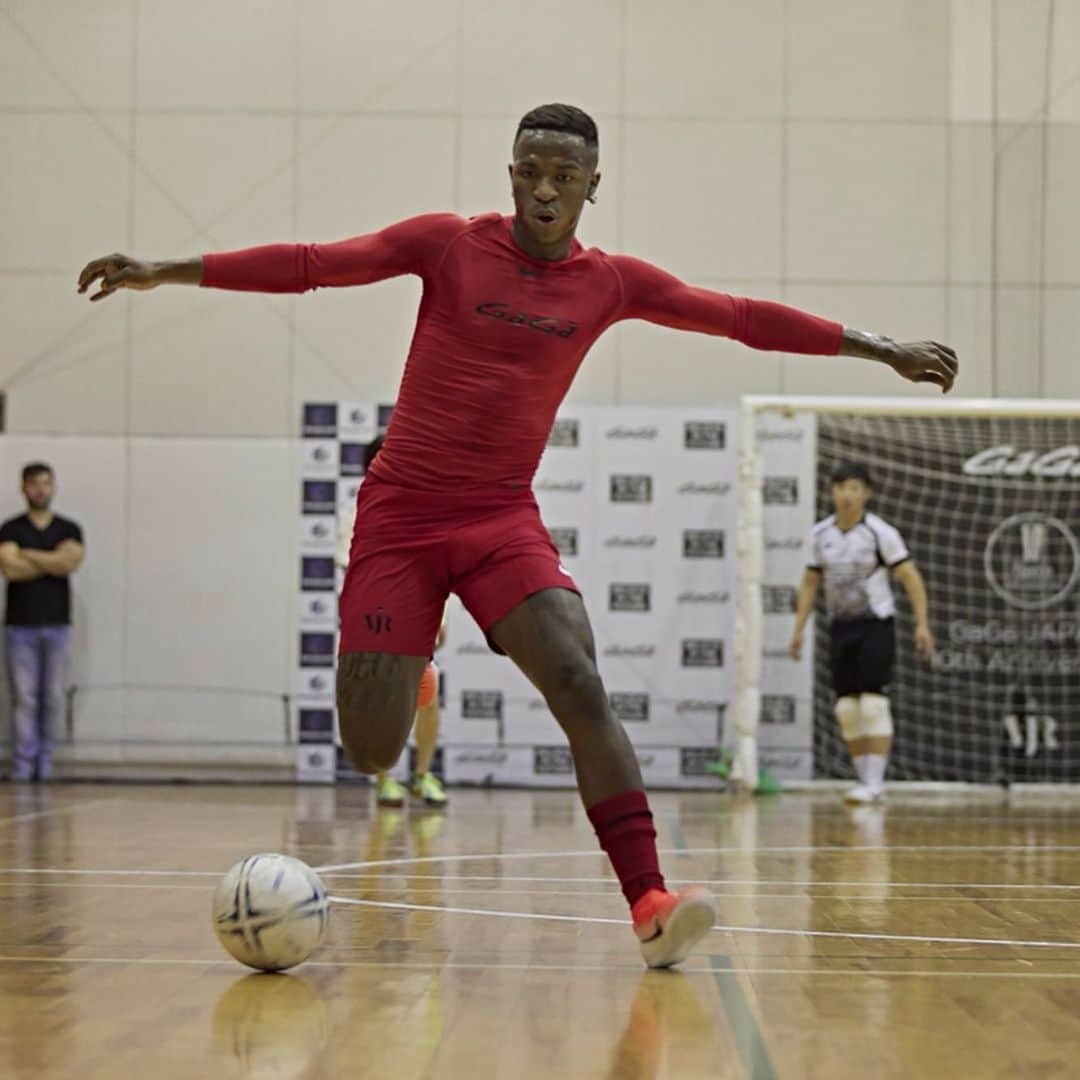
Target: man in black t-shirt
[[38, 552]]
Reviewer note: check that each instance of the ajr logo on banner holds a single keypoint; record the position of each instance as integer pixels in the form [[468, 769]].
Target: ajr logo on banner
[[631, 488], [704, 435], [702, 652], [565, 433], [630, 708], [703, 544], [552, 761], [565, 540], [626, 596], [781, 491], [481, 704]]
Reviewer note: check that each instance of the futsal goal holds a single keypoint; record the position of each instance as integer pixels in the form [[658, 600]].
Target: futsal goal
[[987, 495]]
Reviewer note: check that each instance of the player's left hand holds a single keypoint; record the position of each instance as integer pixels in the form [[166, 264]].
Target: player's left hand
[[924, 641], [925, 361]]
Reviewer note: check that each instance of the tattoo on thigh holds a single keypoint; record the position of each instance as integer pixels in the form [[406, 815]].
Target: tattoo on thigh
[[370, 667]]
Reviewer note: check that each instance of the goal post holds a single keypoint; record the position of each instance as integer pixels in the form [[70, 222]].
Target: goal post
[[987, 495]]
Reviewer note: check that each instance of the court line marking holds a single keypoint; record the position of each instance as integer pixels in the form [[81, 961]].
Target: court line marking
[[76, 808], [755, 852], [742, 1018], [630, 969], [855, 935]]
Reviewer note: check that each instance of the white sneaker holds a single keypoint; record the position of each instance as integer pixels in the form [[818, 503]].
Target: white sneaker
[[862, 795]]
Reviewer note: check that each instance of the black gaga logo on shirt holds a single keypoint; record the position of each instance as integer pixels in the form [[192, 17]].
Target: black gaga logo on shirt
[[631, 488], [1032, 560], [545, 324], [704, 435]]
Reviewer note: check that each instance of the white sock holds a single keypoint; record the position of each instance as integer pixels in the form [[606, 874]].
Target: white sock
[[862, 767], [874, 777]]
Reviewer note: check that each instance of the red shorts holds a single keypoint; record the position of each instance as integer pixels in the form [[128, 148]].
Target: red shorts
[[411, 549]]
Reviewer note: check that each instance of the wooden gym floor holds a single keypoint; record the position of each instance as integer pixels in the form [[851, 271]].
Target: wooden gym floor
[[937, 937]]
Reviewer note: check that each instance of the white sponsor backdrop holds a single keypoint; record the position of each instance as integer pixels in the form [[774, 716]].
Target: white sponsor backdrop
[[641, 504], [787, 446]]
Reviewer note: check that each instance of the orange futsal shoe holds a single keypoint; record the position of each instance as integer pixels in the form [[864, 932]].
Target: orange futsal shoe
[[668, 925]]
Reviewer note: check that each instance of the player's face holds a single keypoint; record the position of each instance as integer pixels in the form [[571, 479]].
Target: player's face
[[552, 175], [39, 491], [850, 496]]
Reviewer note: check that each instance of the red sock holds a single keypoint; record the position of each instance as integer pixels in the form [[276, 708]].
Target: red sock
[[624, 827]]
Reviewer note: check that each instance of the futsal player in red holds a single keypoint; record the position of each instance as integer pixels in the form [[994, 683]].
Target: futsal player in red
[[510, 307]]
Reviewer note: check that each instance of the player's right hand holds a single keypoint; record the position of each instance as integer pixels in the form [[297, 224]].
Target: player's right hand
[[925, 361], [117, 272], [796, 645]]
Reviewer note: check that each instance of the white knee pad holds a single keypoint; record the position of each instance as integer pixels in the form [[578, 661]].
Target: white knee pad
[[876, 716], [849, 717]]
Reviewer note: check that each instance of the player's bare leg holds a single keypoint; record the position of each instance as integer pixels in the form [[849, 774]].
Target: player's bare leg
[[866, 724], [549, 637], [376, 701]]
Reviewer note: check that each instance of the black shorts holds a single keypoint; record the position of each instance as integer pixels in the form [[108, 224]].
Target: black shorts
[[861, 655]]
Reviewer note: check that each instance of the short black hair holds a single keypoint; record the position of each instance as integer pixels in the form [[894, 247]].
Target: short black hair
[[850, 470], [35, 468], [567, 118], [371, 451]]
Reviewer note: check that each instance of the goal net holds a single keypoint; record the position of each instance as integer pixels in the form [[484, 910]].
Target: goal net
[[987, 496]]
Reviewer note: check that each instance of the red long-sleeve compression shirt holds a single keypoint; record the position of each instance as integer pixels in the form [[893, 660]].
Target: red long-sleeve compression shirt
[[500, 335]]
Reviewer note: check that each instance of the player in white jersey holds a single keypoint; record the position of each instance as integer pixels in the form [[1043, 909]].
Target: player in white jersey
[[424, 785], [855, 552]]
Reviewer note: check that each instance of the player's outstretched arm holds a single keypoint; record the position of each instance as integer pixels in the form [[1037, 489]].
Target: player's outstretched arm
[[917, 361], [118, 271]]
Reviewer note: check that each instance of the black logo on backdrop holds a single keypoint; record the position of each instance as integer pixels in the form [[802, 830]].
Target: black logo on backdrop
[[481, 757], [784, 543], [316, 649], [385, 412], [642, 541], [639, 433], [473, 648], [481, 704], [565, 433], [315, 682], [630, 652], [320, 496], [777, 709], [317, 573], [702, 652], [378, 621], [692, 487], [695, 760], [704, 435], [631, 488], [781, 491], [351, 459], [552, 761], [630, 708], [703, 543], [629, 596], [320, 420], [545, 324], [316, 725], [565, 540], [716, 597], [700, 707], [778, 599]]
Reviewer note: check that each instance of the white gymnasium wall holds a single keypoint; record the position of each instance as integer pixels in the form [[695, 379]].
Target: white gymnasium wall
[[904, 165]]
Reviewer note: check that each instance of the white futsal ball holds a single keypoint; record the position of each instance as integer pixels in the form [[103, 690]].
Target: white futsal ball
[[270, 911]]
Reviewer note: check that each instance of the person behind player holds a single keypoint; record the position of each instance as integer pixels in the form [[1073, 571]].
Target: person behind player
[[854, 552], [424, 785], [510, 306]]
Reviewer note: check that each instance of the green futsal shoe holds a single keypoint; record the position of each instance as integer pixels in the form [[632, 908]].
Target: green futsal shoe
[[390, 792], [429, 788]]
